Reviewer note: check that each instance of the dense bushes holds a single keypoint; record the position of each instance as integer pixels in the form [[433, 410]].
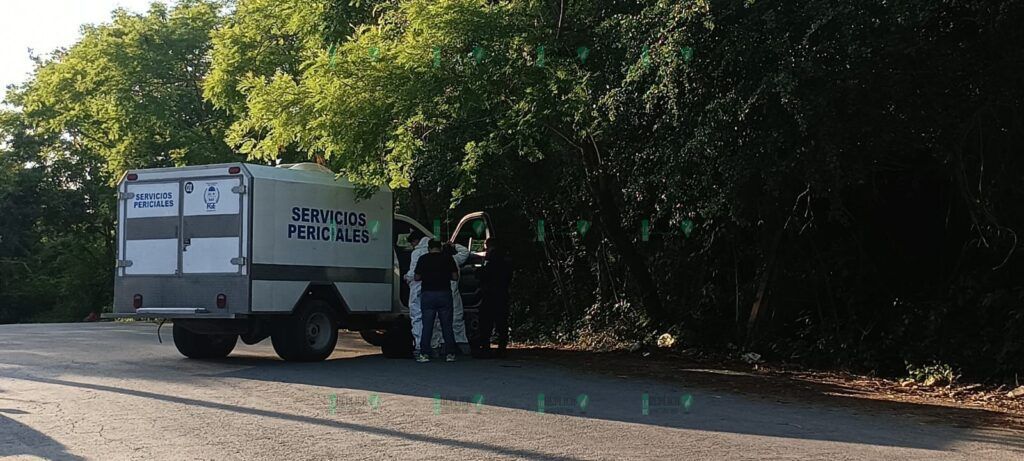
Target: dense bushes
[[856, 164]]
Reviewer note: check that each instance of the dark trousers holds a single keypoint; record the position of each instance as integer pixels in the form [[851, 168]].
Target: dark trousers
[[493, 315], [436, 304]]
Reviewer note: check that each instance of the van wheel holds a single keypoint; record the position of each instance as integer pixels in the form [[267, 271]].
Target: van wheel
[[398, 340], [308, 335], [373, 337], [197, 346]]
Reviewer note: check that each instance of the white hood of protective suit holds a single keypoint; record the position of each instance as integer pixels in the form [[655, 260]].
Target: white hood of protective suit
[[419, 250]]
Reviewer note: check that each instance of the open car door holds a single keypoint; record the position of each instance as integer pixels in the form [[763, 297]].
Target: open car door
[[471, 232]]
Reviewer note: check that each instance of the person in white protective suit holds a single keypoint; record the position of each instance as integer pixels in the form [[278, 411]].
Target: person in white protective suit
[[461, 255]]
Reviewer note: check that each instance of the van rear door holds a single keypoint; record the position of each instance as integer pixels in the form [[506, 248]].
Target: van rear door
[[212, 226], [151, 217], [187, 226]]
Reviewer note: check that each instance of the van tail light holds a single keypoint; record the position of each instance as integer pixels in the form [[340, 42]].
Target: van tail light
[[222, 301], [137, 301], [234, 170], [132, 176]]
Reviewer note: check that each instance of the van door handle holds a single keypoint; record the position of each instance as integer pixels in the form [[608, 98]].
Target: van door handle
[[185, 244]]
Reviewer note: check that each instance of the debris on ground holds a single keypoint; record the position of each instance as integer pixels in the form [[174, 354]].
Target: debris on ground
[[751, 358]]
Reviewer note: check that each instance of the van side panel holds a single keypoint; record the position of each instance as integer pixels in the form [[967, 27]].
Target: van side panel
[[309, 227], [366, 297], [276, 295]]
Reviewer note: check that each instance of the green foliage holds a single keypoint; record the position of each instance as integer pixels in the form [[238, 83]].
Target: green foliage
[[852, 167], [131, 90], [127, 95], [821, 154], [56, 229], [935, 374], [262, 37]]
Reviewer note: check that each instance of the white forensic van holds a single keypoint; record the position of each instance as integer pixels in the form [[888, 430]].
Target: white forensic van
[[247, 251]]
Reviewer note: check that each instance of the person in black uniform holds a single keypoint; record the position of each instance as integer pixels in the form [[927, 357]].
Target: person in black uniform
[[495, 278]]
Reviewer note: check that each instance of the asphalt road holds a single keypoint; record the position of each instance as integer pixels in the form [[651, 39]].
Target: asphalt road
[[111, 391]]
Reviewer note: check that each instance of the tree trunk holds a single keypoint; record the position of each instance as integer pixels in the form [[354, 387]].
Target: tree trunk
[[761, 301], [603, 188], [419, 204]]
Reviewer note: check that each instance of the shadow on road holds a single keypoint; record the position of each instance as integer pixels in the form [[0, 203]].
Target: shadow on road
[[773, 386], [20, 440], [504, 451], [358, 374], [518, 384]]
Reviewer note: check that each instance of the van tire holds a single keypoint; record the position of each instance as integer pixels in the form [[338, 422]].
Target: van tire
[[373, 337], [308, 335], [398, 340], [197, 346]]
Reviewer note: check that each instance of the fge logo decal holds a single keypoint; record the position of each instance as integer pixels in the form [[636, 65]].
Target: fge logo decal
[[211, 197]]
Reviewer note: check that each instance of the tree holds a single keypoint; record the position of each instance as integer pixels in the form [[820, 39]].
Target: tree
[[458, 88], [833, 182], [127, 95], [131, 90], [56, 229], [793, 135]]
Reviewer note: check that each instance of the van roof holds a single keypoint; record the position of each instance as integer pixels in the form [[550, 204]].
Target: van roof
[[300, 175]]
